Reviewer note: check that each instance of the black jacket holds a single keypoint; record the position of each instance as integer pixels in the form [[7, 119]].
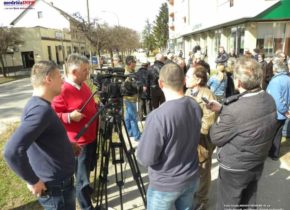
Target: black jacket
[[153, 75], [222, 58], [245, 131], [142, 76]]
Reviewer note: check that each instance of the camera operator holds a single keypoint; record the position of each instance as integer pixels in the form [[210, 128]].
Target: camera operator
[[130, 102], [68, 105], [156, 94], [144, 106], [243, 134]]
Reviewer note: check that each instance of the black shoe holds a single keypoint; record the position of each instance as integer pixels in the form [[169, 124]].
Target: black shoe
[[275, 158]]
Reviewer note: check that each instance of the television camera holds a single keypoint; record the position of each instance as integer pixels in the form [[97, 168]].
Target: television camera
[[113, 84]]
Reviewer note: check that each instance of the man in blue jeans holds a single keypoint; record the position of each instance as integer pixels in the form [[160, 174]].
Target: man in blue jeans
[[130, 103], [75, 108], [39, 151], [168, 146]]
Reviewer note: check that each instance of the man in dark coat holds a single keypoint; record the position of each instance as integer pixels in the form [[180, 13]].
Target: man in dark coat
[[156, 94], [243, 135]]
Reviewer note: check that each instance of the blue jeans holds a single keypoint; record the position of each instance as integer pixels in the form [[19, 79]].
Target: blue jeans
[[182, 200], [131, 120], [60, 195], [83, 165]]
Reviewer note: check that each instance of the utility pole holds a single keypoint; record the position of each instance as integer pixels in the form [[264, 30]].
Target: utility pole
[[88, 13]]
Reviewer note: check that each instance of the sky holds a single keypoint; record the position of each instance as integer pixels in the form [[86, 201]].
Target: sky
[[128, 13]]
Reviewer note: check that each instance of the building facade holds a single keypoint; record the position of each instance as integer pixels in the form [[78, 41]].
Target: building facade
[[48, 33], [237, 25]]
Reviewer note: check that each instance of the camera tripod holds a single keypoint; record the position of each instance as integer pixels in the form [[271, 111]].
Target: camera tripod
[[112, 121]]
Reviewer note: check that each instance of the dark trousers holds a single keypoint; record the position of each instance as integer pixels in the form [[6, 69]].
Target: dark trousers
[[275, 149], [144, 107], [157, 97], [205, 150], [83, 167], [238, 189]]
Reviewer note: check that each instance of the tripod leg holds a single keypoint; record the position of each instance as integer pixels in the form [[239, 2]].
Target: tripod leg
[[104, 168], [130, 155], [118, 160], [99, 139]]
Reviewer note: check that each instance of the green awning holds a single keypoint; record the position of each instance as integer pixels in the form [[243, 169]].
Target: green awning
[[280, 11]]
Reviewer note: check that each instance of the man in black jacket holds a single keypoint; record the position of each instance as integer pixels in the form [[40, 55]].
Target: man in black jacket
[[144, 105], [222, 57], [156, 94], [243, 134]]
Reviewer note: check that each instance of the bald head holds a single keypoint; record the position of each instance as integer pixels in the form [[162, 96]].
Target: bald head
[[159, 57]]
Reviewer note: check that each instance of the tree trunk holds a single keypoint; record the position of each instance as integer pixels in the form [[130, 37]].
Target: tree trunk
[[3, 66]]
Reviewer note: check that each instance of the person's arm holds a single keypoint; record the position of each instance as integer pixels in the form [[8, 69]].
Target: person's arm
[[277, 93], [15, 153], [61, 109], [224, 130], [208, 117], [151, 143]]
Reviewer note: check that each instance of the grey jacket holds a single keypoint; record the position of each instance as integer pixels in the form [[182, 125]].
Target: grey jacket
[[244, 131]]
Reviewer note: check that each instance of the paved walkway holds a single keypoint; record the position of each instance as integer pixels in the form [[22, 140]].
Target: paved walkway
[[273, 190], [274, 186]]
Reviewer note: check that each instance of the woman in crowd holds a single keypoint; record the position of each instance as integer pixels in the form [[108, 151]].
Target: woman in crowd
[[218, 83], [196, 78]]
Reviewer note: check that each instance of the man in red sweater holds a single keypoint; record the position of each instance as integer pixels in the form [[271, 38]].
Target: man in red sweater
[[67, 105]]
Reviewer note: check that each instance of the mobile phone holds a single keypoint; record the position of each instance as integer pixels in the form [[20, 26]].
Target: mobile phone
[[205, 100]]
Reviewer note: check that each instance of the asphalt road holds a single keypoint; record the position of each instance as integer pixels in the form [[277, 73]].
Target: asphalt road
[[13, 97]]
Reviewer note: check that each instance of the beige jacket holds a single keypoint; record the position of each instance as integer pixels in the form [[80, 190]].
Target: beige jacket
[[208, 117]]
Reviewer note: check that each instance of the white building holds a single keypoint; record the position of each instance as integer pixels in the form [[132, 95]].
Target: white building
[[234, 24]]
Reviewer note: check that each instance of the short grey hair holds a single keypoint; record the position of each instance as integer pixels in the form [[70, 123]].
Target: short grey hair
[[172, 76], [75, 60], [279, 65], [249, 72], [40, 70]]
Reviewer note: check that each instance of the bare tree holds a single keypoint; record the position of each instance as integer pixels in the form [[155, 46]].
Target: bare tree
[[9, 39], [111, 39]]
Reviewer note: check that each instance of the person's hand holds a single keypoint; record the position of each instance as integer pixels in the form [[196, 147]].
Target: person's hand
[[37, 189], [76, 148], [214, 106], [287, 114], [76, 116]]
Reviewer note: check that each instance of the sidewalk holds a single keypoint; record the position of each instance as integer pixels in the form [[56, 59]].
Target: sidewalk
[[273, 189]]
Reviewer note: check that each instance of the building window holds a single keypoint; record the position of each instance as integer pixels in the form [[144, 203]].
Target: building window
[[40, 14], [271, 37], [49, 53], [68, 50]]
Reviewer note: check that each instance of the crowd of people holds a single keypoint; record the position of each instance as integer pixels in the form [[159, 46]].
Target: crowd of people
[[238, 108]]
